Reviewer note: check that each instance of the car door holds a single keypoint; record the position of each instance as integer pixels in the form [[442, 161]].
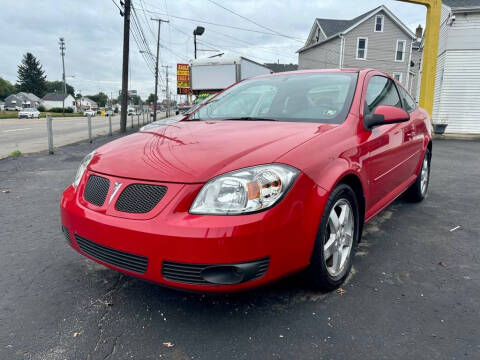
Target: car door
[[416, 127], [387, 163]]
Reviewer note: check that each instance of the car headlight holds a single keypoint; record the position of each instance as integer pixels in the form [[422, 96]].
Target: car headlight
[[244, 191], [82, 167]]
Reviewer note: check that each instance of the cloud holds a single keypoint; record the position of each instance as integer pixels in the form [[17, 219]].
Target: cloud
[[93, 31]]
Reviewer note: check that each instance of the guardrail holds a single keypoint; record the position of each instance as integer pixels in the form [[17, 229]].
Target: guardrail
[[145, 120]]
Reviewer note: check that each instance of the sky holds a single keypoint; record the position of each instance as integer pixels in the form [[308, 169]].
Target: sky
[[93, 32]]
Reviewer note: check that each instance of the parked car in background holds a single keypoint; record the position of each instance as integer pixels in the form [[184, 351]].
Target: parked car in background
[[13, 108], [29, 113], [108, 112], [130, 111], [276, 174], [89, 112]]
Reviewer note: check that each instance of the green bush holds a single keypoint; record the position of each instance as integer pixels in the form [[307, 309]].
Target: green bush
[[41, 108], [68, 110]]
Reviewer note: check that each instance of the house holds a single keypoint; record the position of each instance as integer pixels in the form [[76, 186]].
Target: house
[[457, 82], [376, 39], [22, 100], [277, 67], [87, 103], [55, 100]]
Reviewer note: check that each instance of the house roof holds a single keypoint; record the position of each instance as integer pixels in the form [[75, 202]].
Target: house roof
[[84, 98], [333, 28], [462, 4], [54, 97], [29, 96]]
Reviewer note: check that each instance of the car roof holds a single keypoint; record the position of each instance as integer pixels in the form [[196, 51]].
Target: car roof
[[312, 71]]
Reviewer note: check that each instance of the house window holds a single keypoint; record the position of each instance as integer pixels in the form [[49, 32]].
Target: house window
[[400, 50], [362, 44], [379, 19], [398, 76]]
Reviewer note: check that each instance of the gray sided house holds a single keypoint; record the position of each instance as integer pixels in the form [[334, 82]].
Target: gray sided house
[[22, 100], [457, 83], [376, 39]]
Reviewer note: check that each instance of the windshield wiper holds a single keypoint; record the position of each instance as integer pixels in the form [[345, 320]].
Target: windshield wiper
[[250, 118]]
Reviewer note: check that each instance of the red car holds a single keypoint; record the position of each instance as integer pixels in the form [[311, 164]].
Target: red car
[[277, 174]]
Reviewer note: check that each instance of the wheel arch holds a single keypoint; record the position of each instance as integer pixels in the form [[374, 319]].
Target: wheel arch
[[355, 183]]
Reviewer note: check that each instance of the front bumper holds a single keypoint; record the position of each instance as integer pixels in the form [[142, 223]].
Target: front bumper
[[197, 252]]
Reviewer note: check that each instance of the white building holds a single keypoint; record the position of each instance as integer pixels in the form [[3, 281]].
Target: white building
[[55, 100], [457, 83], [87, 104]]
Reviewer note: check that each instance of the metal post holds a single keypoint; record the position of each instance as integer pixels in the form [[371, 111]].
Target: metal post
[[138, 120], [50, 134], [110, 125], [89, 128], [126, 47], [131, 120], [156, 68], [143, 117]]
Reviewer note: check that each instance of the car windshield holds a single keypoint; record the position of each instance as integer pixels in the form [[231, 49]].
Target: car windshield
[[28, 109], [307, 97], [197, 105]]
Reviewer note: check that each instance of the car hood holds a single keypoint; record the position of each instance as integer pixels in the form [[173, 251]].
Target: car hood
[[196, 151]]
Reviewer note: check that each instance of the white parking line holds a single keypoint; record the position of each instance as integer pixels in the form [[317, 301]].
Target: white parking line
[[23, 129]]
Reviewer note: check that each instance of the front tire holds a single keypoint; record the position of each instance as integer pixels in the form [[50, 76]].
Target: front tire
[[336, 240], [418, 190]]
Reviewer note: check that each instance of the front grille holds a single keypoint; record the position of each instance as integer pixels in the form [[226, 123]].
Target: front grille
[[191, 273], [66, 233], [140, 198], [114, 257], [96, 190]]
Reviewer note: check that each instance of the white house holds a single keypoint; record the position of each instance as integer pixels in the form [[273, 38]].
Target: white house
[[87, 104], [55, 100], [457, 83]]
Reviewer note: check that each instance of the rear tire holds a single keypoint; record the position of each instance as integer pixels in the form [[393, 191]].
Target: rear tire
[[418, 190], [336, 240]]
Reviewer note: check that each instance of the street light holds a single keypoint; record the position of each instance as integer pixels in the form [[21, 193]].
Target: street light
[[198, 31]]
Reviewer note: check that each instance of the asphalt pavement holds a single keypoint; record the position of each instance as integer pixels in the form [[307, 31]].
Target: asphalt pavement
[[414, 292]]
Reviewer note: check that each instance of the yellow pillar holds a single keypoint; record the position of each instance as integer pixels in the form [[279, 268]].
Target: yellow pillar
[[430, 51]]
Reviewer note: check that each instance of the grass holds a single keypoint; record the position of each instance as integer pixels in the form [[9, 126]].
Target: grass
[[16, 153], [14, 114]]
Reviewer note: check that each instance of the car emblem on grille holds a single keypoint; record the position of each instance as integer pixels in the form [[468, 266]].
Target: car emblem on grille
[[116, 187]]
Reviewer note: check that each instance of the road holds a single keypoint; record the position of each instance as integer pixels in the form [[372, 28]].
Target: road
[[30, 135], [414, 292]]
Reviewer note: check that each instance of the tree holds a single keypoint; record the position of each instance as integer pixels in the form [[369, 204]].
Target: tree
[[6, 88], [151, 99], [136, 100], [31, 77], [57, 86], [101, 98]]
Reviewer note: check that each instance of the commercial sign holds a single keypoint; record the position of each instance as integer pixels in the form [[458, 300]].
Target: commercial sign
[[183, 79]]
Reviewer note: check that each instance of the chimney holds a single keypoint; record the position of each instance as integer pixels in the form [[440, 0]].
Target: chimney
[[419, 32]]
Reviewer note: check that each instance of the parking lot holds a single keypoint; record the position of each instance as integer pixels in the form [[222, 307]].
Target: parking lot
[[414, 292]]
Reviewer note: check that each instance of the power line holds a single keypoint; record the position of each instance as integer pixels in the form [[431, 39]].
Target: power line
[[253, 22], [216, 24]]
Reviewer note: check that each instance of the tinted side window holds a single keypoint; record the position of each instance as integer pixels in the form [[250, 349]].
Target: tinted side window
[[408, 103], [381, 91]]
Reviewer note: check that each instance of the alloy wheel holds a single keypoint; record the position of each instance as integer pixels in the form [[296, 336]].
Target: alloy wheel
[[338, 237], [424, 176]]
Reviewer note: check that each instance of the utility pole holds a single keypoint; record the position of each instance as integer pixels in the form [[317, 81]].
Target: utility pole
[[61, 42], [126, 49], [167, 90], [156, 68]]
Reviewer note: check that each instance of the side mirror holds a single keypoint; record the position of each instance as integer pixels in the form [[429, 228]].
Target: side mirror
[[383, 115]]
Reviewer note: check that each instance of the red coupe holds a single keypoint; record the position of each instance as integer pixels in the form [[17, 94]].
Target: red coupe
[[276, 174]]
